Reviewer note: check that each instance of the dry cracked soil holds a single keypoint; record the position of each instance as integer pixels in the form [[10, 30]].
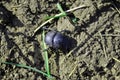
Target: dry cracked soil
[[95, 28]]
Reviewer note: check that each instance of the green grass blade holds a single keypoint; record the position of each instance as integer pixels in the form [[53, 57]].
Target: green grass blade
[[45, 54], [61, 10], [28, 67], [62, 14], [56, 16]]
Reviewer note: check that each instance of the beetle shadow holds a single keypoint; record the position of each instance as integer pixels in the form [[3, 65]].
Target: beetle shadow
[[72, 43]]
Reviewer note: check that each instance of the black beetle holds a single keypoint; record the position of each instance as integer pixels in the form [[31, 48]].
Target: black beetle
[[58, 40]]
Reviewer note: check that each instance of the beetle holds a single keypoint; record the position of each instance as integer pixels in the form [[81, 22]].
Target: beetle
[[57, 40]]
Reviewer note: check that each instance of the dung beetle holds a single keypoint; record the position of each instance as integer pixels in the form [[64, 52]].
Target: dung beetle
[[57, 40]]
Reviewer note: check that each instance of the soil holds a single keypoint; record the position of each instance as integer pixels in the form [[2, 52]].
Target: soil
[[96, 31]]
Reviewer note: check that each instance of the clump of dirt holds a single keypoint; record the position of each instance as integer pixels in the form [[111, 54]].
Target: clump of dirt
[[96, 31]]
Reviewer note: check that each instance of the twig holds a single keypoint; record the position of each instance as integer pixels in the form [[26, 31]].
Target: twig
[[73, 69], [70, 10], [116, 59], [76, 8]]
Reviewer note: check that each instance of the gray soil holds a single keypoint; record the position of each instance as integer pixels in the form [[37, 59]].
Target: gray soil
[[97, 33]]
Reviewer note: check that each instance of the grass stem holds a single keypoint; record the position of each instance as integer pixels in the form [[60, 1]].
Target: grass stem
[[45, 54], [57, 15], [28, 67]]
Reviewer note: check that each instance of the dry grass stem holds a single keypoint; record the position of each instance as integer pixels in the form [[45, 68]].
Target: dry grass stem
[[73, 69], [116, 59], [70, 10]]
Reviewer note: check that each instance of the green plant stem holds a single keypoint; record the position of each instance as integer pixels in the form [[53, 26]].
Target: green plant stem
[[45, 55], [57, 15], [28, 67]]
